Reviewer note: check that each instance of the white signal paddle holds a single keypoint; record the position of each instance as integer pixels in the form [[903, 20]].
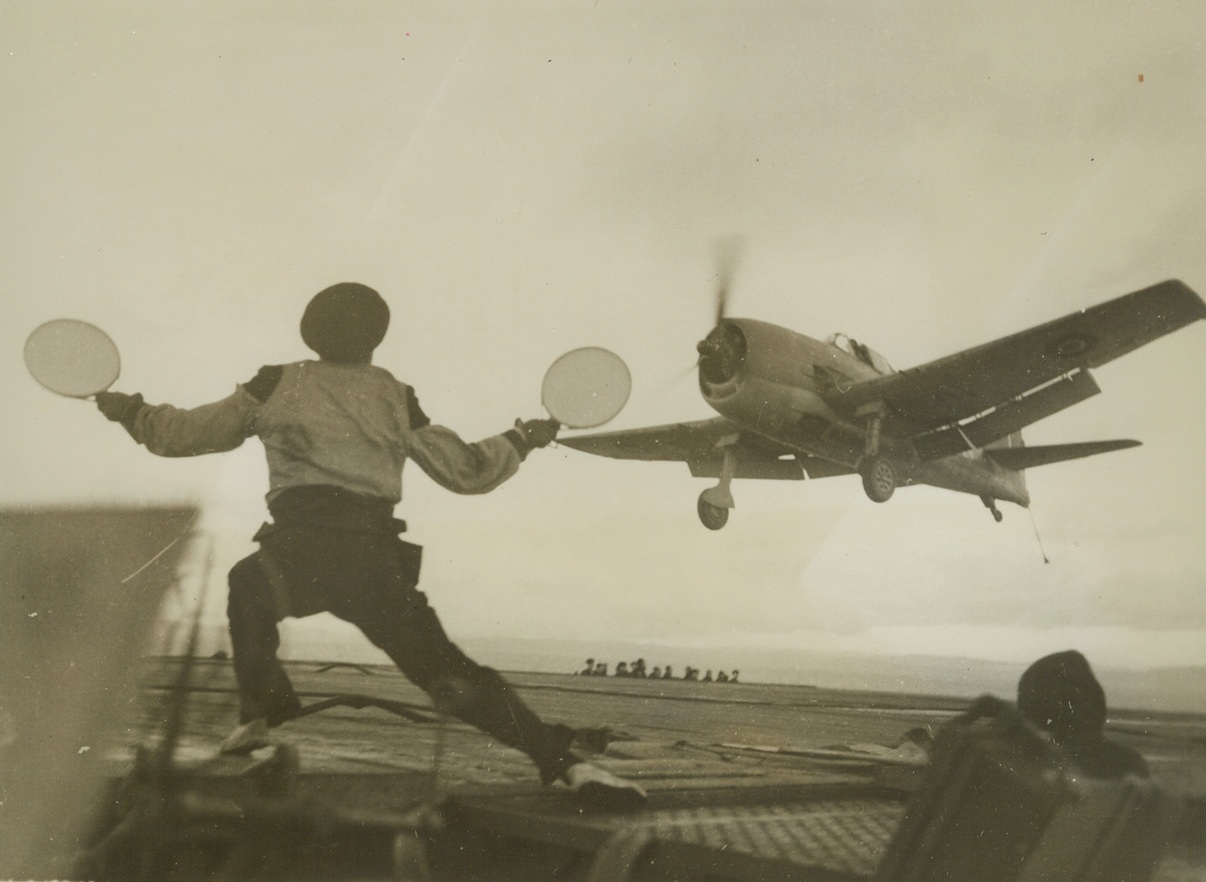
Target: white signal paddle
[[586, 387], [72, 358]]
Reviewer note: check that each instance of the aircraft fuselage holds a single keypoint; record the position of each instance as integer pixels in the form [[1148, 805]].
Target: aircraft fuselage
[[782, 385]]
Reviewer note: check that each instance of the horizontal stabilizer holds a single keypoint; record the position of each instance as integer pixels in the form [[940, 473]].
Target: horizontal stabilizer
[[1019, 458]]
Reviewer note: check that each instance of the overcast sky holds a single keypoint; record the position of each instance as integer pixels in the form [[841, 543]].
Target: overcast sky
[[519, 179]]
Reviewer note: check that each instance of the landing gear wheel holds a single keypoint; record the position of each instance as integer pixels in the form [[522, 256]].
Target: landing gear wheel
[[879, 479], [711, 516], [991, 505]]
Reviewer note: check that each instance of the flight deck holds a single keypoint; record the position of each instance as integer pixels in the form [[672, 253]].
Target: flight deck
[[745, 782]]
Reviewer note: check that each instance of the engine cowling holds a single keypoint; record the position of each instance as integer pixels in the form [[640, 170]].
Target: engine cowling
[[763, 376]]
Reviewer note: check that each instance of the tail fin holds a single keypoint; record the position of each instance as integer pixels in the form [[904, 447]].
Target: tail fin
[[1012, 445], [1020, 457]]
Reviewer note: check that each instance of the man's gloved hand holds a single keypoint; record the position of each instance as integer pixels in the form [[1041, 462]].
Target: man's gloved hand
[[538, 433], [118, 406]]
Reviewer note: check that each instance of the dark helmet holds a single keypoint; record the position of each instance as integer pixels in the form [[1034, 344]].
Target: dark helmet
[[1060, 694], [345, 322]]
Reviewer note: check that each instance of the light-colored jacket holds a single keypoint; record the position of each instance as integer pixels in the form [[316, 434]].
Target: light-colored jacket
[[328, 424]]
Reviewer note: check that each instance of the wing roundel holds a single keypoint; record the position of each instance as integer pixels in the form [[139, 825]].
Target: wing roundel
[[974, 381]]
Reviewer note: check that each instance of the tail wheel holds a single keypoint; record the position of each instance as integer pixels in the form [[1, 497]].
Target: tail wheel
[[991, 505], [711, 516], [879, 479]]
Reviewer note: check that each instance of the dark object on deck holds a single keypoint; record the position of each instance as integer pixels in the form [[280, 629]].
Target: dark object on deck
[[81, 588], [168, 824], [1060, 695], [1004, 802]]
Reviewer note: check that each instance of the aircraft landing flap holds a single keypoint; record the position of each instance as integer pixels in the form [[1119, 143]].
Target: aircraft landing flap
[[750, 467], [1009, 418]]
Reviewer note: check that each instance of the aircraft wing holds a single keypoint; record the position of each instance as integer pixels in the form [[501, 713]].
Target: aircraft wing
[[700, 445], [676, 442], [975, 380]]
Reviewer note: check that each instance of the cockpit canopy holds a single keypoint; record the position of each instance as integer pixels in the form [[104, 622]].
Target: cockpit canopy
[[865, 354]]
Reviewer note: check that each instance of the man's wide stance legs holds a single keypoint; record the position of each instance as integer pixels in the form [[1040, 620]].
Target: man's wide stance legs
[[397, 619]]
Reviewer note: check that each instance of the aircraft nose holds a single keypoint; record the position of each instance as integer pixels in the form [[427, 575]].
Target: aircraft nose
[[721, 353]]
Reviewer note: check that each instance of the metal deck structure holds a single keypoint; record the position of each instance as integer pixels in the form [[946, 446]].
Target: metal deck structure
[[745, 782]]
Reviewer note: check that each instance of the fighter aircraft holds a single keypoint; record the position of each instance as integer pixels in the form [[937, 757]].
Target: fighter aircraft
[[793, 407]]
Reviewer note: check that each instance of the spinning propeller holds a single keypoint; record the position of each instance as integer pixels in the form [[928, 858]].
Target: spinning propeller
[[728, 256], [724, 347]]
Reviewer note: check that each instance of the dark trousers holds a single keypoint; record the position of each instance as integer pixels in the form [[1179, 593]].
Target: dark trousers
[[369, 580]]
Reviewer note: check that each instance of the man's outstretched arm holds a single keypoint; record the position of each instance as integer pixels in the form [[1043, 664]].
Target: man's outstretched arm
[[172, 431], [481, 466]]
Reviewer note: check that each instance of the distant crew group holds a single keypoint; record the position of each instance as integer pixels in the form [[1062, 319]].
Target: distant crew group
[[638, 669]]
